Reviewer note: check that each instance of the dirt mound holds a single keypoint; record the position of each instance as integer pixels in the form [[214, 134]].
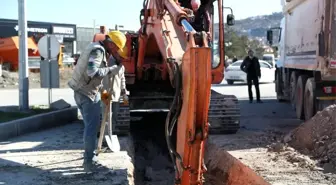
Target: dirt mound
[[291, 155], [317, 137]]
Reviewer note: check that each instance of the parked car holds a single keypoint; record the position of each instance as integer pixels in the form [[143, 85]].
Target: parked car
[[233, 73]]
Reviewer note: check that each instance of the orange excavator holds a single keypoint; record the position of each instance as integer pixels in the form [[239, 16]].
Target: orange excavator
[[170, 66], [9, 49]]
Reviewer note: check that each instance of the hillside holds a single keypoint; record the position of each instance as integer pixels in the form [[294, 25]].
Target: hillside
[[257, 26]]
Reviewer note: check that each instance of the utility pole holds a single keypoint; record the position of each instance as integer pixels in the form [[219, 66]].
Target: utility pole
[[116, 27], [94, 26], [23, 57]]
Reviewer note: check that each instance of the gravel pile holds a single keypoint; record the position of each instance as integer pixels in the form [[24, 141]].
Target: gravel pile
[[291, 155], [10, 80], [317, 138]]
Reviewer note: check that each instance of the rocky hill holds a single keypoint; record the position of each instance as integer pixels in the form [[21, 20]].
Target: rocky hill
[[258, 25]]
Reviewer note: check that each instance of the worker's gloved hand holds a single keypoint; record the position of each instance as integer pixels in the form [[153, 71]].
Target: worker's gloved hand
[[105, 97]]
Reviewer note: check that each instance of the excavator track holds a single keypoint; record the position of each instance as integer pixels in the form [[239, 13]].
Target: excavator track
[[224, 114], [122, 127]]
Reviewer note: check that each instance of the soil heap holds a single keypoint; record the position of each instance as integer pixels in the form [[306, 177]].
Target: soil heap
[[317, 137]]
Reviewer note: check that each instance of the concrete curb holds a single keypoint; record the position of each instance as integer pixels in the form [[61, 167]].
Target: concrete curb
[[37, 122]]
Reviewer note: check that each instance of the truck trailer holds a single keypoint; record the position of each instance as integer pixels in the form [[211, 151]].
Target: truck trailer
[[306, 70]]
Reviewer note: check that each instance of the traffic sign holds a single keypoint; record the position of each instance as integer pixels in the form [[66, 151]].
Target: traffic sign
[[54, 46]]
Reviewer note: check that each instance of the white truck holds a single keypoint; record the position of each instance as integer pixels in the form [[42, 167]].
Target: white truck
[[306, 70]]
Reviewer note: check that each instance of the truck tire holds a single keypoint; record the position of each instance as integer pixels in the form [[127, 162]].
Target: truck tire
[[309, 99], [299, 96], [292, 88], [276, 80], [230, 82], [279, 87]]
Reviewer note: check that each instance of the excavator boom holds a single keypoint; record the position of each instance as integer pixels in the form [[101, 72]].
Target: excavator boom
[[189, 62], [171, 66]]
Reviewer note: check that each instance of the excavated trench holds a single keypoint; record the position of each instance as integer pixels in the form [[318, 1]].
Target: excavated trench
[[153, 165]]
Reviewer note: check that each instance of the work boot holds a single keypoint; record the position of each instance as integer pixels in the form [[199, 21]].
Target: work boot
[[90, 166]]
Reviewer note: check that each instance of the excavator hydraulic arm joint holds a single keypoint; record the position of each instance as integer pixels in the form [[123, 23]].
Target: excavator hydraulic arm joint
[[201, 134]]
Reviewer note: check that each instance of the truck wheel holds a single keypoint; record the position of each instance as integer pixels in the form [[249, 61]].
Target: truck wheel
[[299, 96], [292, 83], [230, 82], [276, 80], [309, 99], [279, 87]]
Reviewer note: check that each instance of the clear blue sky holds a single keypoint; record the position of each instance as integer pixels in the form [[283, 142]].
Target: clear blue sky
[[111, 12]]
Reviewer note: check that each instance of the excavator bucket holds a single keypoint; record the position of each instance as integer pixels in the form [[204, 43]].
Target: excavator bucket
[[224, 169]]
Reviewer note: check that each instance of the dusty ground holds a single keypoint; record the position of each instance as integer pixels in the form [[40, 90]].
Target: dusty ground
[[262, 125], [55, 157], [10, 80]]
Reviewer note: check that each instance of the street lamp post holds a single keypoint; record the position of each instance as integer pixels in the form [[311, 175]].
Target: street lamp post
[[23, 57], [118, 26]]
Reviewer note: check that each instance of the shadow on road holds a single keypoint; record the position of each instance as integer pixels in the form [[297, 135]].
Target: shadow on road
[[49, 140], [14, 173], [55, 157], [237, 84], [261, 125]]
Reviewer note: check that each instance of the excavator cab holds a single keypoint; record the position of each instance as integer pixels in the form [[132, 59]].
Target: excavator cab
[[217, 39]]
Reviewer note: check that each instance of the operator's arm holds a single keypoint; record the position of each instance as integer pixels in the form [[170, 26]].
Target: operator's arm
[[94, 65]]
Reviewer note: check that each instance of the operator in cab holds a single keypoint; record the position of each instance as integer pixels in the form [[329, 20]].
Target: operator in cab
[[86, 82], [201, 21], [202, 18], [251, 67]]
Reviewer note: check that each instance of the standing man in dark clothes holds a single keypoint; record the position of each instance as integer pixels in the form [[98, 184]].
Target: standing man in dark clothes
[[251, 67]]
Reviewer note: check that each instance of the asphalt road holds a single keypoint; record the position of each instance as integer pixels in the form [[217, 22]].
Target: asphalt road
[[10, 97], [261, 124]]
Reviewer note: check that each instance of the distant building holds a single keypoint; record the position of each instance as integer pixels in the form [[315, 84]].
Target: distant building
[[66, 33]]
